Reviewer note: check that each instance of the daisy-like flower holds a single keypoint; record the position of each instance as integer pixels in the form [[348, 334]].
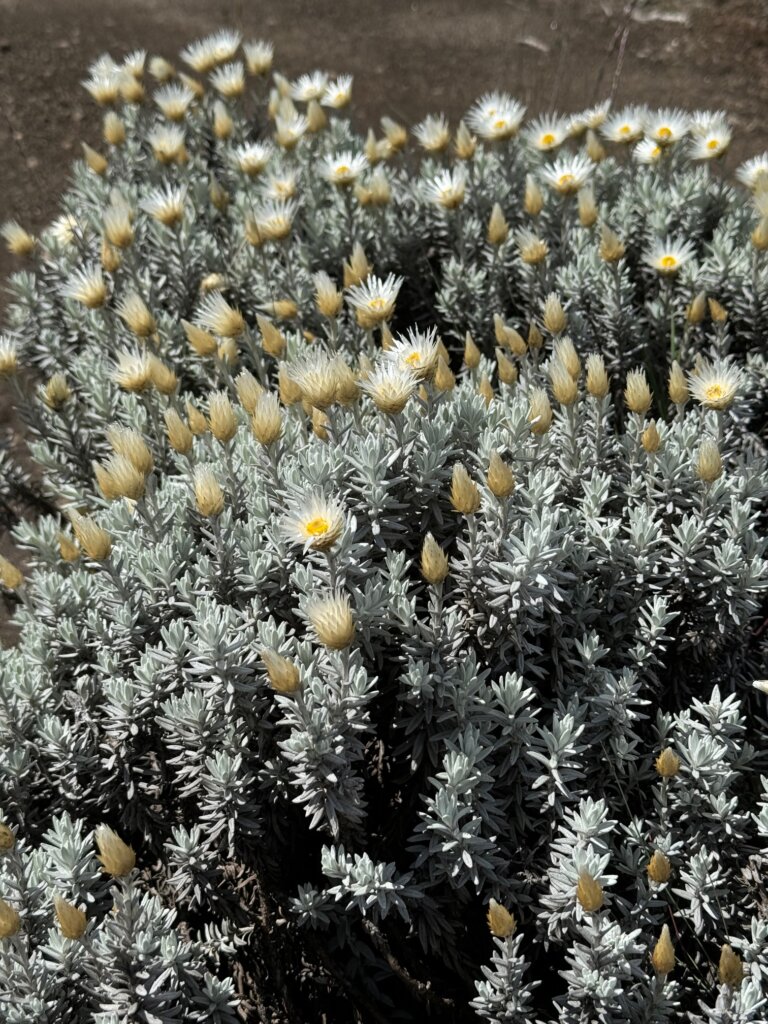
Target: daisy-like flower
[[647, 152], [275, 220], [315, 522], [389, 386], [343, 170], [215, 314], [754, 173], [174, 101], [133, 371], [416, 352], [712, 142], [206, 54], [317, 376], [134, 63], [666, 126], [283, 187], [447, 188], [669, 256], [104, 83], [136, 314], [289, 128], [309, 87], [496, 116], [546, 133], [433, 133], [252, 157], [65, 229], [625, 125], [258, 56], [592, 118], [87, 286], [715, 385], [338, 93], [374, 299], [229, 80], [165, 204], [167, 144], [568, 174], [9, 356]]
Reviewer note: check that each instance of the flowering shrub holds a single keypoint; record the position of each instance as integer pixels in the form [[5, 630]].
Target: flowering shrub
[[408, 573]]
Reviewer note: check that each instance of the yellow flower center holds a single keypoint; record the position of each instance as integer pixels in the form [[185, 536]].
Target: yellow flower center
[[625, 129], [500, 124], [714, 392], [377, 303], [316, 527], [713, 144], [342, 170], [413, 359], [655, 152], [664, 132], [284, 188], [547, 139], [668, 262], [565, 181]]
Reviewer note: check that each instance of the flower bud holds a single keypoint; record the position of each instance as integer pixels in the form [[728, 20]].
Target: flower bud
[[637, 394], [465, 143], [209, 496], [589, 892], [587, 207], [71, 921], [564, 387], [500, 478], [597, 379], [566, 355], [730, 970], [272, 339], [56, 392], [718, 313], [554, 318], [267, 419], [659, 869], [68, 550], [95, 161], [95, 542], [485, 389], [117, 858], [289, 390], [501, 923], [248, 390], [10, 922], [465, 496], [611, 247], [677, 386], [651, 440], [7, 838], [162, 376], [759, 235], [663, 956], [319, 424], [667, 763], [594, 148], [180, 437], [534, 200], [444, 380], [471, 352], [535, 337], [333, 621], [498, 228], [697, 309], [539, 412], [434, 561], [221, 417], [198, 424], [11, 577], [283, 674], [506, 368], [709, 466], [201, 341]]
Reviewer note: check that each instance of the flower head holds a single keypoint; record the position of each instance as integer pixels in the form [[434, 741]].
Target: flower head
[[332, 620], [625, 125], [374, 299], [546, 133], [229, 80], [215, 314], [315, 374], [87, 286], [117, 858], [343, 170], [174, 101], [205, 54], [390, 386], [715, 385], [447, 188], [433, 133], [338, 93], [209, 497], [496, 116], [251, 157], [567, 174], [71, 921], [754, 173], [18, 241], [308, 87], [501, 923], [665, 127], [258, 56], [416, 351], [165, 205], [710, 138], [315, 522], [669, 256]]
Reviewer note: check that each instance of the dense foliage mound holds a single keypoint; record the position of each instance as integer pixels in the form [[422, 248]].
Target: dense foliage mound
[[396, 640]]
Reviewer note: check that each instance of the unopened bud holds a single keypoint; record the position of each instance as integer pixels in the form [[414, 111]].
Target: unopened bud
[[667, 763], [730, 970], [709, 466], [465, 496], [501, 923], [117, 858], [471, 352], [498, 228], [663, 956], [589, 892], [284, 676], [500, 478], [71, 921], [651, 439], [434, 561], [659, 868]]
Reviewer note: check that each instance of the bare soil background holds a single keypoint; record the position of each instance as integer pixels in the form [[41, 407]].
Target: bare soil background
[[408, 57]]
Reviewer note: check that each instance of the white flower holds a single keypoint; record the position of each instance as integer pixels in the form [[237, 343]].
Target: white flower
[[206, 54], [315, 522], [338, 94], [215, 314], [229, 80], [65, 229], [647, 152], [87, 286], [496, 116], [715, 385], [343, 169], [289, 128], [167, 142], [669, 256], [317, 377], [447, 188], [251, 157], [275, 219], [134, 63], [174, 101], [281, 188], [593, 118], [546, 133], [104, 83], [712, 142], [666, 126], [165, 204], [374, 299], [258, 56], [567, 174], [625, 125], [390, 386], [309, 87], [415, 352], [433, 133], [754, 173]]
